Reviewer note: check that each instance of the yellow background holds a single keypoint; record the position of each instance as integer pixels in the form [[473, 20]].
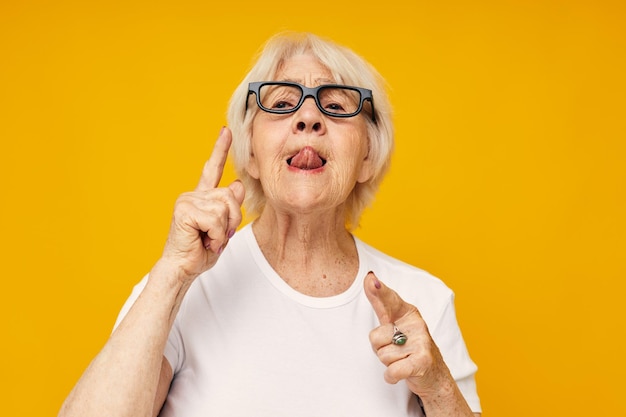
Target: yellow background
[[508, 181]]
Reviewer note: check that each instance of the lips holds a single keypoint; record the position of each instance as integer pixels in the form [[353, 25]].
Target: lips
[[306, 159]]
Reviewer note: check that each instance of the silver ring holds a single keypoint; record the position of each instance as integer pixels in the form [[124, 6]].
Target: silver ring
[[398, 338]]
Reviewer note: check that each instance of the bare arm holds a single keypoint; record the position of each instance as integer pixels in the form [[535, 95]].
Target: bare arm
[[163, 387], [130, 376], [122, 380]]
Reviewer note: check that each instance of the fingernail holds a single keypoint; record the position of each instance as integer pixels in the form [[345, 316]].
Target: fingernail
[[376, 281], [222, 130], [220, 250], [231, 233]]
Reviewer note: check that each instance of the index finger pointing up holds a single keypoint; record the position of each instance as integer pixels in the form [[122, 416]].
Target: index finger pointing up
[[387, 304], [214, 167]]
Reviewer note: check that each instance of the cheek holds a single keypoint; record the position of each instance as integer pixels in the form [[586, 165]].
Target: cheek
[[259, 149], [357, 147], [265, 163]]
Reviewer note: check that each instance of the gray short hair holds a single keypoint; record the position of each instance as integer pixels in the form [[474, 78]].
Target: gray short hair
[[347, 68]]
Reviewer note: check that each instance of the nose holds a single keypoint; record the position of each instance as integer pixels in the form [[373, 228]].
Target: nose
[[308, 118]]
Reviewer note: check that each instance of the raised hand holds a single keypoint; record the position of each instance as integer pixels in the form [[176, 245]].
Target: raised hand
[[418, 361], [206, 218]]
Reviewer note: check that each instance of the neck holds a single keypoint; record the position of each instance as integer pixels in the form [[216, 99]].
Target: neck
[[314, 254]]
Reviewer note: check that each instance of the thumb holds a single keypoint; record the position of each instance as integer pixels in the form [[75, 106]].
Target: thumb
[[238, 190], [387, 304]]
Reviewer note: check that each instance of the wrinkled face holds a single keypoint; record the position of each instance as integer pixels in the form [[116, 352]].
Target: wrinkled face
[[308, 161]]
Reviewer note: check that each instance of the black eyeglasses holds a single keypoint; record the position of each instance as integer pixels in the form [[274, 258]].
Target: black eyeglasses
[[332, 99]]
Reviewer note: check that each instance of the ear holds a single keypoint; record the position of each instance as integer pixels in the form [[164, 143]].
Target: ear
[[367, 170], [252, 167]]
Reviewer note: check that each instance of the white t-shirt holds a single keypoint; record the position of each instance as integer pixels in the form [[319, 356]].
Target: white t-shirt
[[244, 343]]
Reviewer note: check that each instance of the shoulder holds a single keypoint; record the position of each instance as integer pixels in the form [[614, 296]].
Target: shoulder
[[394, 270], [419, 287]]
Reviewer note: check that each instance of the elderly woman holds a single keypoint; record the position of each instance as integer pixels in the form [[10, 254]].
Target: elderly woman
[[280, 318]]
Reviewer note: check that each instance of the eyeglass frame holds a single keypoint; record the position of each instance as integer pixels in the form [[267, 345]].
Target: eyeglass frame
[[364, 93]]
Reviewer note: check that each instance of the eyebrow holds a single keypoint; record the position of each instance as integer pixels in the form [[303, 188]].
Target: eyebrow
[[318, 81]]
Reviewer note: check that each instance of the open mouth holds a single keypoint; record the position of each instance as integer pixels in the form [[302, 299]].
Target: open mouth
[[306, 159]]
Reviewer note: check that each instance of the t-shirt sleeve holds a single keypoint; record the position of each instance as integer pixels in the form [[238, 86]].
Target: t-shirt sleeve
[[137, 289], [447, 335]]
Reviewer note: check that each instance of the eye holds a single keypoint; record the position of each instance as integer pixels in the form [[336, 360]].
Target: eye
[[280, 97], [339, 100], [283, 105], [336, 107]]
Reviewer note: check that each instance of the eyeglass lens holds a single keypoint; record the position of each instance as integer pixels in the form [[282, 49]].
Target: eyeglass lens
[[284, 98]]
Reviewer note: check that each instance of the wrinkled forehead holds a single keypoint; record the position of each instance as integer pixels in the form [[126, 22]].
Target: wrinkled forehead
[[306, 69]]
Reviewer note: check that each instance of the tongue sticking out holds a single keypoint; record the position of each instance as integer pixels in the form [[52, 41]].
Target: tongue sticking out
[[307, 158]]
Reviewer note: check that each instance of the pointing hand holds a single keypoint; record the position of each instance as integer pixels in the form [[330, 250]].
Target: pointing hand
[[206, 218], [418, 361]]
